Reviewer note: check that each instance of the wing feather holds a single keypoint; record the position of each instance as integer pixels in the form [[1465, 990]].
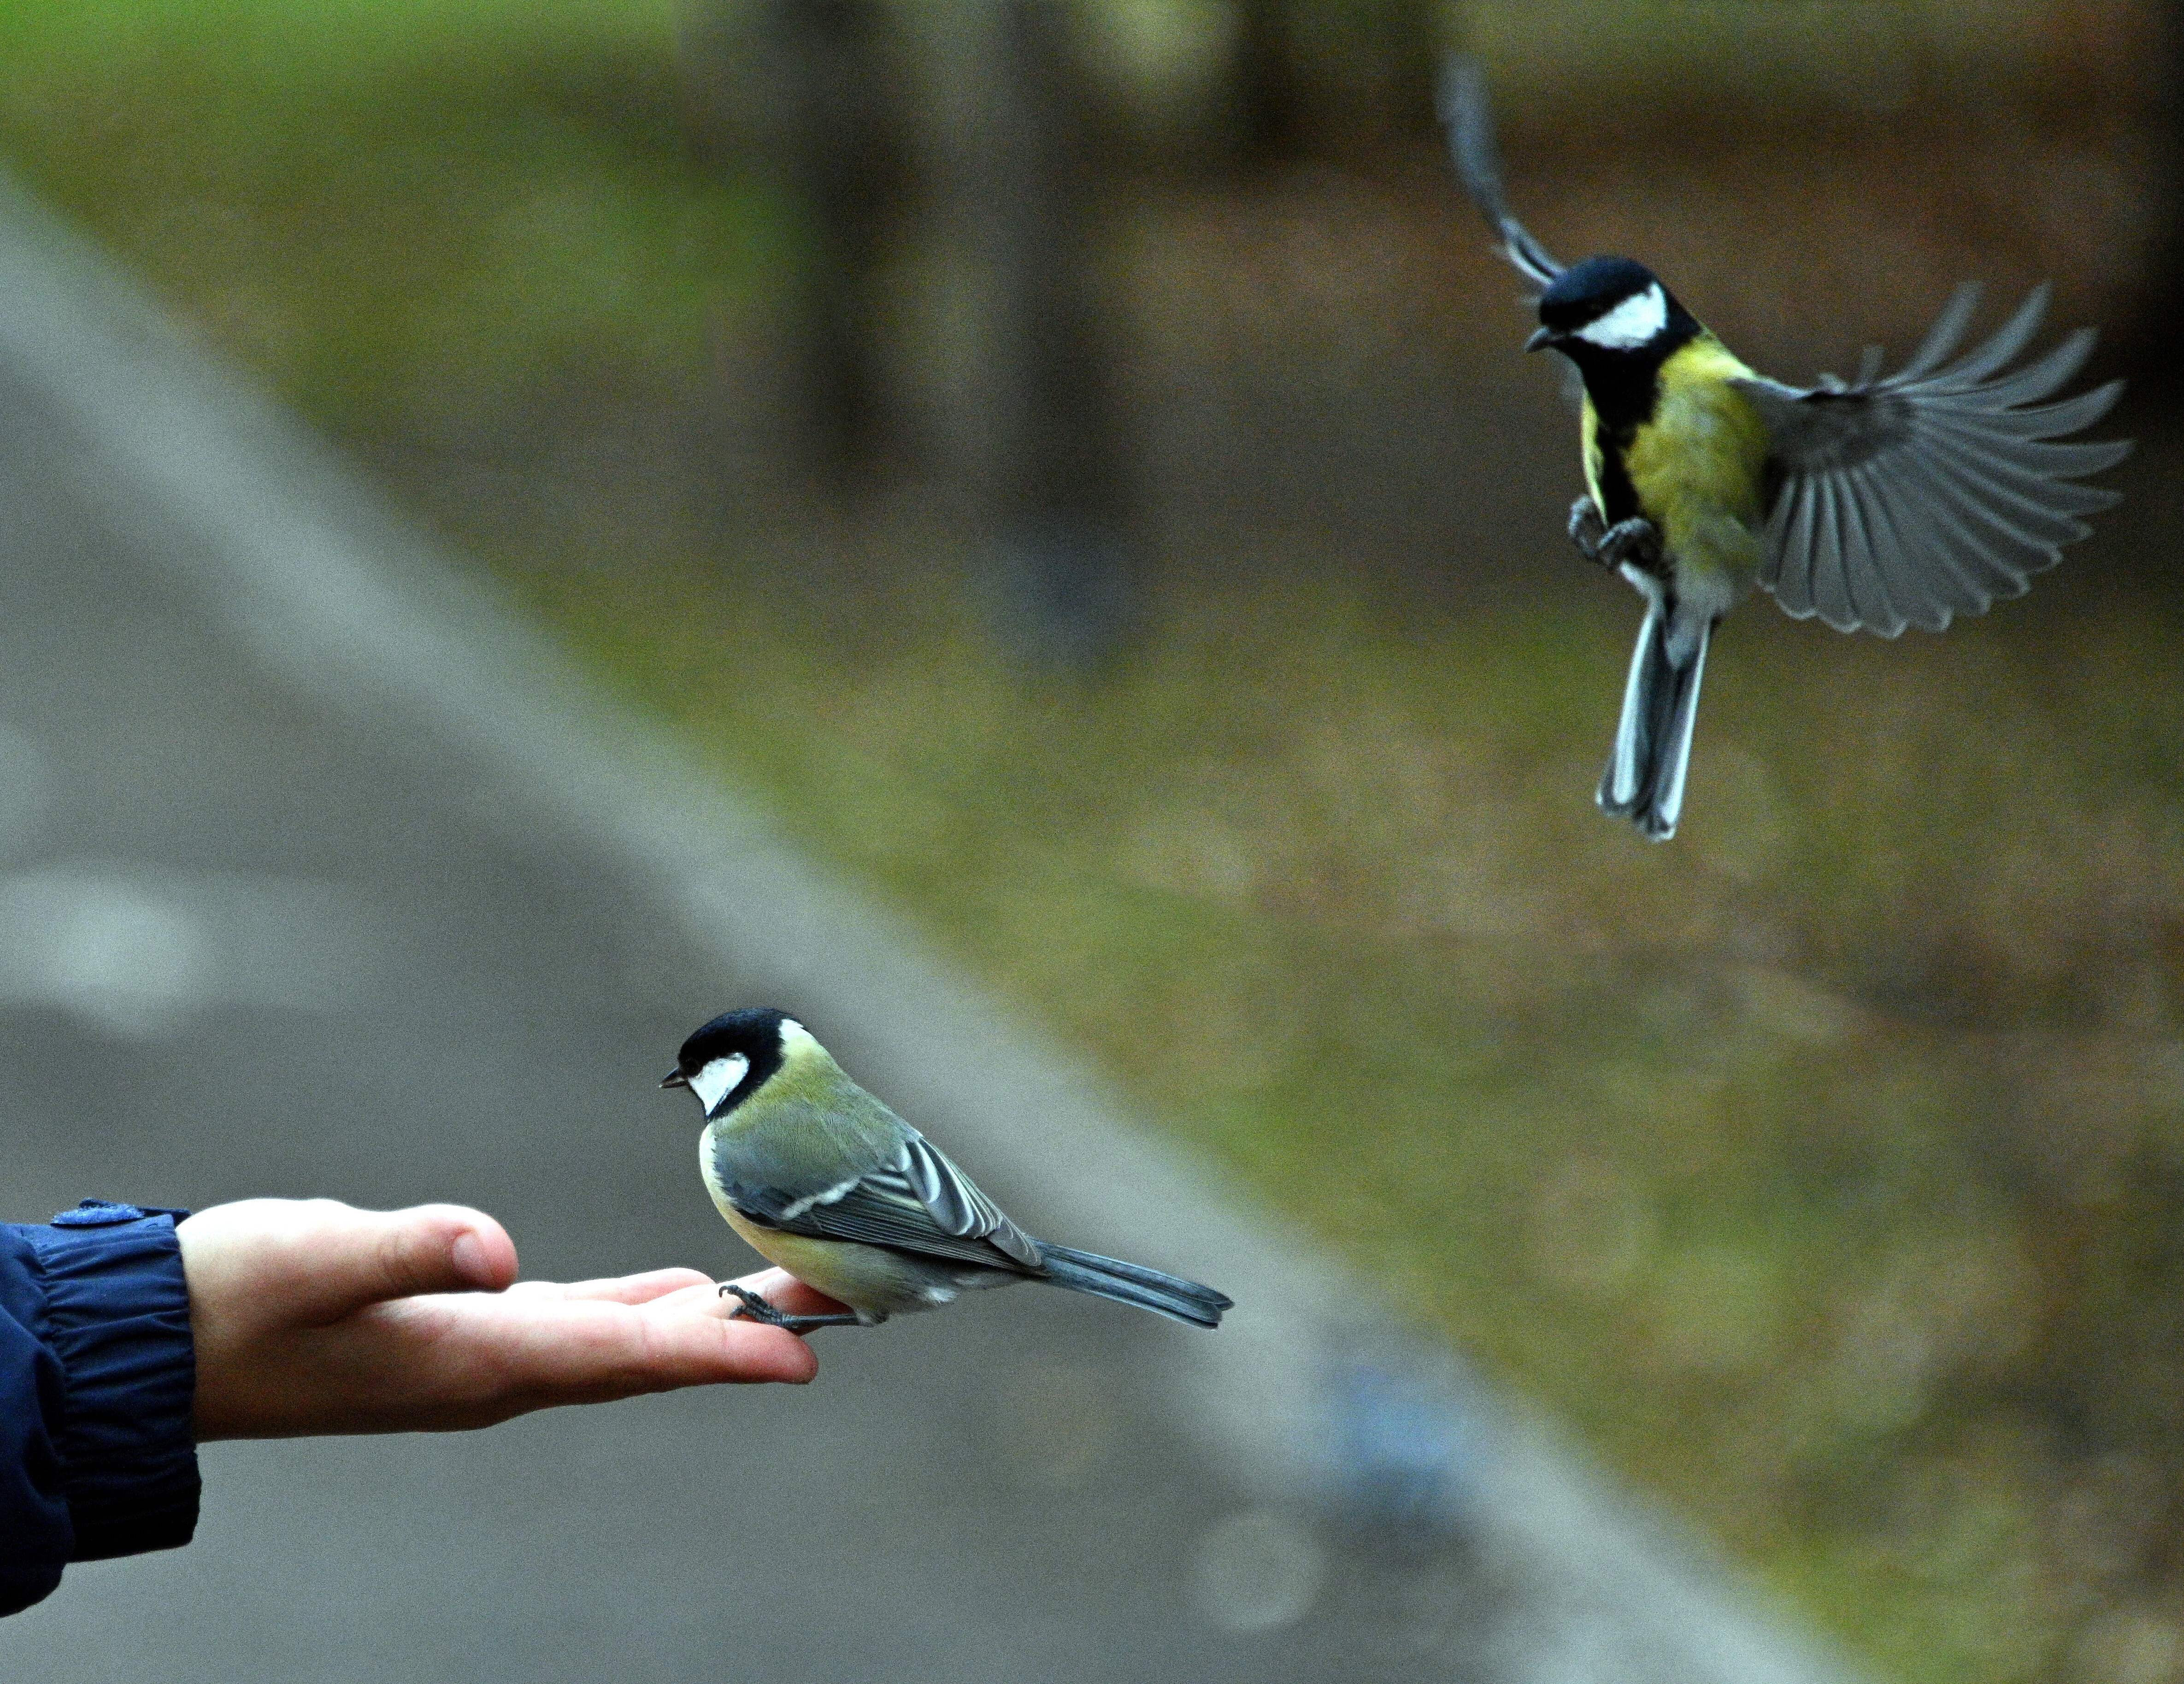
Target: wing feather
[[955, 1203], [1939, 547], [916, 1201], [1830, 592], [1909, 551], [2025, 493], [1958, 549], [1946, 334], [1469, 117], [1870, 556], [2011, 338], [2010, 554], [1910, 499], [2043, 374], [2052, 421], [1793, 589]]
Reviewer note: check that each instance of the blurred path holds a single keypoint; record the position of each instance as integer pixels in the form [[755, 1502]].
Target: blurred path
[[318, 875]]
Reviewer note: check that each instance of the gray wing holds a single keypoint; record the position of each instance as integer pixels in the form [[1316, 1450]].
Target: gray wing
[[1470, 121], [916, 1200], [1908, 501]]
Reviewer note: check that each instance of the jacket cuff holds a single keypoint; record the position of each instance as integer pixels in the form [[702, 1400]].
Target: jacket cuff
[[117, 1314]]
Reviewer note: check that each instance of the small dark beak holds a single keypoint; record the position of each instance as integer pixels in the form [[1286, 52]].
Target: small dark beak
[[1542, 339], [675, 1078]]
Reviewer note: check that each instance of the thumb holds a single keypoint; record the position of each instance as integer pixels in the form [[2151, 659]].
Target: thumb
[[378, 1255], [313, 1261]]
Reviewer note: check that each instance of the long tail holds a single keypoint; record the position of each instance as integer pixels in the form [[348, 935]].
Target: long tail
[[1644, 782], [1128, 1283]]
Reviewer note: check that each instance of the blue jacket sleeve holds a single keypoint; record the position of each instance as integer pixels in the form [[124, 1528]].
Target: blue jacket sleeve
[[98, 1378]]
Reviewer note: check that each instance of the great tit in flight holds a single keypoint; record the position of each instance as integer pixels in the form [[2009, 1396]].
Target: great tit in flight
[[822, 1180], [1875, 503]]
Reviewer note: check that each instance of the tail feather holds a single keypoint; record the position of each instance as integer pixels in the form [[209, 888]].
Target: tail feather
[[1644, 782], [1166, 1295]]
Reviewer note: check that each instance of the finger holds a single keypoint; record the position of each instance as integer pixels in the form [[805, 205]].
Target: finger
[[780, 1289], [327, 1260], [786, 1293], [439, 1361], [485, 1255], [627, 1289], [505, 1356], [706, 1349], [702, 1351], [430, 1248]]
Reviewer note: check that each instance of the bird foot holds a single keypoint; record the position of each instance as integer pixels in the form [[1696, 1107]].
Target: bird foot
[[1633, 543], [1587, 528], [755, 1308]]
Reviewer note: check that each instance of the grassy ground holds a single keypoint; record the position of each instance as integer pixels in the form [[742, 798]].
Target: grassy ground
[[1824, 1165]]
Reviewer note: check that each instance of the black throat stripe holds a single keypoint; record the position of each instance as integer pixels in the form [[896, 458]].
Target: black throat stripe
[[1618, 497]]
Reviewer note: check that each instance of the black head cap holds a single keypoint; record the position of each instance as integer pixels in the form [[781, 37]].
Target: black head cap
[[1593, 292], [1586, 291], [752, 1033]]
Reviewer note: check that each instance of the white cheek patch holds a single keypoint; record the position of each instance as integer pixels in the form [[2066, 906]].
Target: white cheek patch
[[1631, 323], [718, 1079]]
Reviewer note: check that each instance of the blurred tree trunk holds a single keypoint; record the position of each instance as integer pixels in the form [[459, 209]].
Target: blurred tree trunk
[[834, 138], [1270, 119], [2160, 352], [1064, 573], [806, 89], [1333, 77], [1004, 122]]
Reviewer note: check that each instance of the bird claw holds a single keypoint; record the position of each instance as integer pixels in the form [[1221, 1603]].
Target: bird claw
[[1587, 528], [1633, 543], [757, 1309]]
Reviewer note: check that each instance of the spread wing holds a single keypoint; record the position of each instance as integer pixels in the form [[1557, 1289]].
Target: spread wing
[[1470, 120], [1934, 492], [915, 1201]]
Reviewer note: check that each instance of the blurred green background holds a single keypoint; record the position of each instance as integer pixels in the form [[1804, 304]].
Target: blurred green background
[[1084, 481]]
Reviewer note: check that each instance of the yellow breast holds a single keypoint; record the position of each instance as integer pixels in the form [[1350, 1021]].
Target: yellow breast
[[1704, 444]]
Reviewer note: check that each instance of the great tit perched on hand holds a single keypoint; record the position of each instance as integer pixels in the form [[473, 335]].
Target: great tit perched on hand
[[1875, 503], [822, 1180]]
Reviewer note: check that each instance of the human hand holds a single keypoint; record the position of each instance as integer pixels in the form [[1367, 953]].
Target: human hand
[[311, 1316]]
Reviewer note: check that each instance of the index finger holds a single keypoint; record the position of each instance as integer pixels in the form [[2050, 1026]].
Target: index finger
[[624, 1289], [779, 1288]]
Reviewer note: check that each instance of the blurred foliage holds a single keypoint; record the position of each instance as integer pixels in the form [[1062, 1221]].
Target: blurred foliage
[[1826, 1165], [412, 214], [1827, 57]]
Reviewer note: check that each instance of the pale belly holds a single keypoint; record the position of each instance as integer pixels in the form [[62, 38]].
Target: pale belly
[[871, 1280]]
